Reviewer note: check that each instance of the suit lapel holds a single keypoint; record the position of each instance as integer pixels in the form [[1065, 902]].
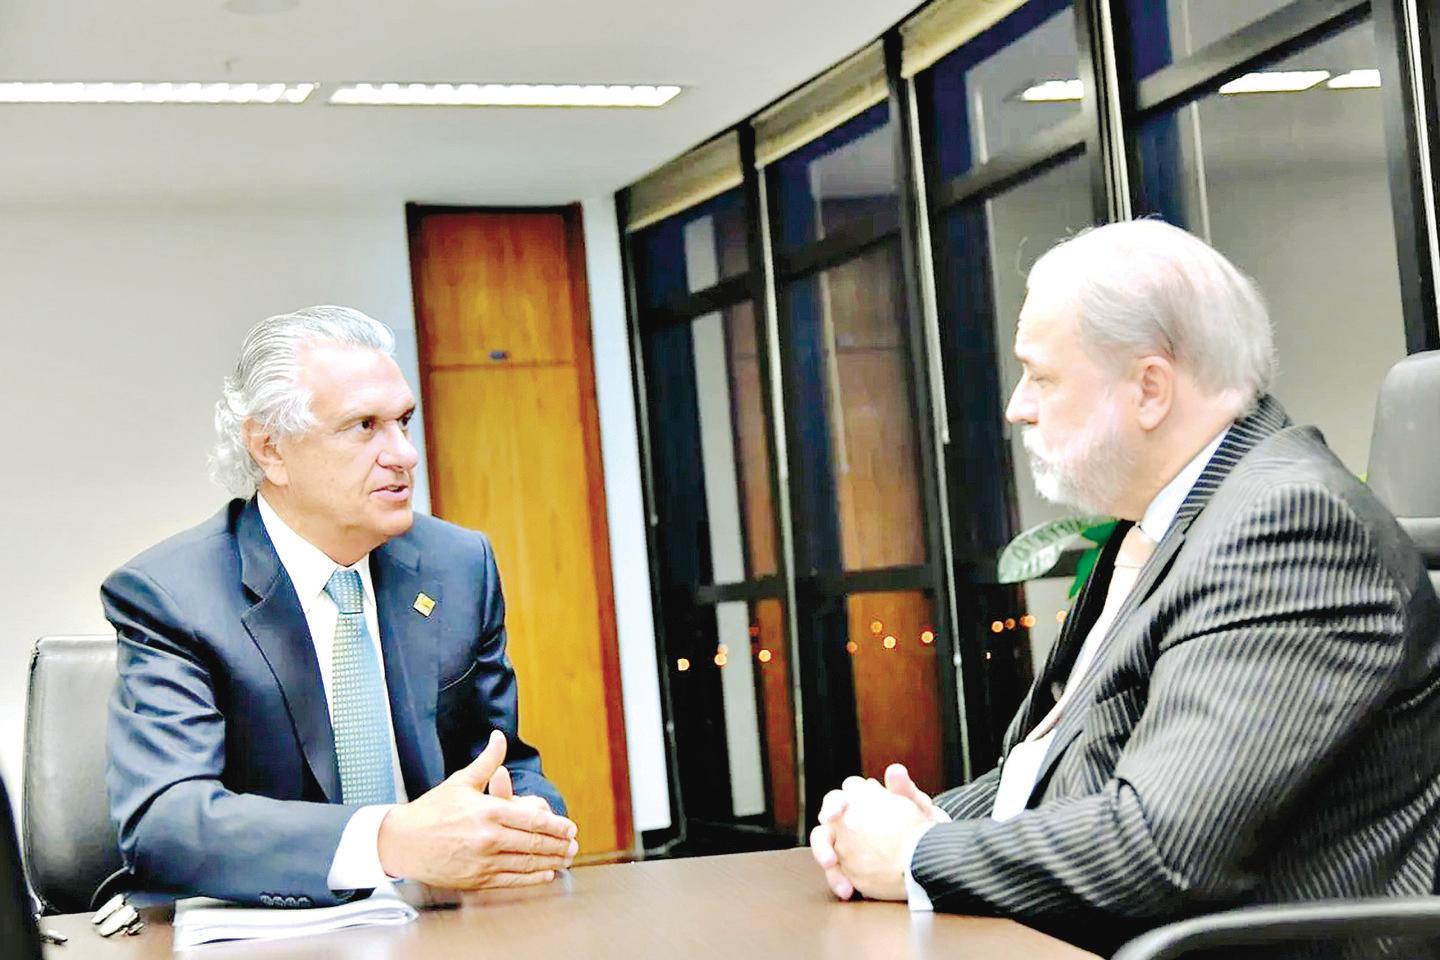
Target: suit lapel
[[1066, 648], [277, 625], [408, 645], [1268, 418]]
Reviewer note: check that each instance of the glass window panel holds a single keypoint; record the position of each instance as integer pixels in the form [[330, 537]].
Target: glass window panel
[[772, 660], [845, 176], [730, 675], [1169, 32], [891, 642], [988, 249], [708, 423], [1002, 88], [1293, 187], [691, 251], [742, 720], [1024, 223], [857, 455]]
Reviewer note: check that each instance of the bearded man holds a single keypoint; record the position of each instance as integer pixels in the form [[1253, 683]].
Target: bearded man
[[1244, 705]]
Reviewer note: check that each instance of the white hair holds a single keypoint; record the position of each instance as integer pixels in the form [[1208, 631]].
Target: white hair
[[1146, 287], [265, 386]]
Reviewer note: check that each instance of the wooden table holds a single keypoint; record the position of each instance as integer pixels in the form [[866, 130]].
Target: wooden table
[[750, 906]]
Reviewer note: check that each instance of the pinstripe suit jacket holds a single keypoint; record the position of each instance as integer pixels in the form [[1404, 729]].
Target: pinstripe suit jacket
[[1262, 723]]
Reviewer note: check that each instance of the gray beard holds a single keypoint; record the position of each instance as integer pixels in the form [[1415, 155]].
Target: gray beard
[[1093, 475]]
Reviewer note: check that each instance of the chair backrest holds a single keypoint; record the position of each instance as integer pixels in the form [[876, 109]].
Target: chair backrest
[[17, 923], [70, 843], [1405, 452]]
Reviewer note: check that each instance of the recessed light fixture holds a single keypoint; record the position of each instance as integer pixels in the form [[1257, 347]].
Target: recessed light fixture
[[1053, 91], [503, 95], [109, 92], [1275, 81], [1355, 80]]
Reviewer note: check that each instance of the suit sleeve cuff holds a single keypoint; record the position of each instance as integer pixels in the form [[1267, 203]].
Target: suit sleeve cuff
[[356, 865], [915, 894]]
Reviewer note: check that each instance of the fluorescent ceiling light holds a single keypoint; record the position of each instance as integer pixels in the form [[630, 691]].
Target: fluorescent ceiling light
[[1355, 80], [1053, 91], [1275, 81], [503, 95], [49, 92]]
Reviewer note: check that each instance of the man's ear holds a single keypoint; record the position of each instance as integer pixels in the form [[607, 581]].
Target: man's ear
[[265, 452], [1156, 379]]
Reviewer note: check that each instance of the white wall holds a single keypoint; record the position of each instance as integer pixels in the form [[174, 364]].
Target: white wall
[[118, 325], [625, 509]]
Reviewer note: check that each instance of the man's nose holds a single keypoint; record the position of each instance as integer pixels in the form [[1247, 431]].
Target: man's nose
[[1021, 408], [399, 452]]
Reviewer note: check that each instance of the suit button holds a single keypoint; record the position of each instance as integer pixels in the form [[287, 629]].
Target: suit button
[[290, 902], [305, 901], [266, 899]]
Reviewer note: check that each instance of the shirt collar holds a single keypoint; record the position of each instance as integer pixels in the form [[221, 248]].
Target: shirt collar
[[1162, 510], [308, 566]]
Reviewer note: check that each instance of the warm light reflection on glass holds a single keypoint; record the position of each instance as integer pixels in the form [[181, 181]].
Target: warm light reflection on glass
[[764, 656], [721, 659], [722, 649], [928, 636], [1027, 621], [876, 626], [890, 643], [996, 626], [682, 664], [1059, 616], [1009, 623], [851, 647]]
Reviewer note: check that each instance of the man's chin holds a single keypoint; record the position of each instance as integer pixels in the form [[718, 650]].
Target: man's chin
[[397, 520]]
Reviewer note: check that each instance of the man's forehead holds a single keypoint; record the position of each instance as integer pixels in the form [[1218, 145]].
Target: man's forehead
[[1045, 317], [354, 380]]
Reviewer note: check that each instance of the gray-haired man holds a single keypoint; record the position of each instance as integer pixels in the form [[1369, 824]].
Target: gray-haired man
[[1248, 706], [298, 667]]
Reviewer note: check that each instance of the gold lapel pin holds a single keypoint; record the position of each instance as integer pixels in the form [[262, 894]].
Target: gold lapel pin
[[423, 605]]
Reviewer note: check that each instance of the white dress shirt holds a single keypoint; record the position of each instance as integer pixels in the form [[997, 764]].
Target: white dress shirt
[[356, 865], [1021, 770]]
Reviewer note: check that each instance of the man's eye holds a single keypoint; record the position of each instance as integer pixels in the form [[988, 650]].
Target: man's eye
[[367, 424], [405, 421]]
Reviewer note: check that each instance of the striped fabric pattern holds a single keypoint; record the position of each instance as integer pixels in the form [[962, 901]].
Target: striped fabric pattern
[[1262, 723]]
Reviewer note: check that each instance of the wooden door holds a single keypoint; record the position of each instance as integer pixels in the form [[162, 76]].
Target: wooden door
[[512, 440]]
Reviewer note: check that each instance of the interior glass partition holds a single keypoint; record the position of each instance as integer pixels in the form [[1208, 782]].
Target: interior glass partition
[[825, 351], [725, 645], [865, 580], [1285, 171], [1007, 100]]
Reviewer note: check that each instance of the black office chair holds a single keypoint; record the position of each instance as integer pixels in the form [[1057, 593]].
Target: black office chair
[[1404, 454], [18, 933], [71, 849]]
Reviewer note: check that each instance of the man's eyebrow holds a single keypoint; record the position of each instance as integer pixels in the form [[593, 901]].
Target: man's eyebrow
[[356, 414]]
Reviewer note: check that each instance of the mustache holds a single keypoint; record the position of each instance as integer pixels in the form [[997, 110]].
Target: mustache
[[1033, 443]]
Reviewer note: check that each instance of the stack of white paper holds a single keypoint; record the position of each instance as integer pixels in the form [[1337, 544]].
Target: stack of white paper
[[202, 920]]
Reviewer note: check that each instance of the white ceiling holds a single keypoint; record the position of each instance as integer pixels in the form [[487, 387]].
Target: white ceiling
[[732, 58]]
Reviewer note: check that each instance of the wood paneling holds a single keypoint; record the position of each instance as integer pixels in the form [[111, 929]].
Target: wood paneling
[[488, 282], [513, 449]]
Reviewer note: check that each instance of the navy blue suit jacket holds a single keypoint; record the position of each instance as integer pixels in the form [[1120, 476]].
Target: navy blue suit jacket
[[222, 772]]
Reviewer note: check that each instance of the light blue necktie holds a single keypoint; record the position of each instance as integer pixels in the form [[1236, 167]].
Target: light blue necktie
[[362, 737]]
